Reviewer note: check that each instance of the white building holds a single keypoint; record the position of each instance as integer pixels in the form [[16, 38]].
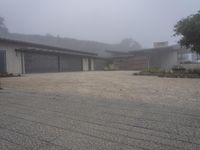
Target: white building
[[19, 57]]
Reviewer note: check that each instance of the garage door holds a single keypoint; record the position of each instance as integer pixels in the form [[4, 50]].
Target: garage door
[[70, 63], [2, 61], [40, 63]]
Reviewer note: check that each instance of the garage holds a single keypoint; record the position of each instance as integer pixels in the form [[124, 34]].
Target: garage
[[22, 57], [2, 61]]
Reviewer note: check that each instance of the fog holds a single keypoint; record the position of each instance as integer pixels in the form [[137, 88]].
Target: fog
[[109, 21]]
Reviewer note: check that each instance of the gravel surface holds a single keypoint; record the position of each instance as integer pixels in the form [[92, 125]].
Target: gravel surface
[[99, 110], [112, 85]]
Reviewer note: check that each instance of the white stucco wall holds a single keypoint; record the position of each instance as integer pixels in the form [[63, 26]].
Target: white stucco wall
[[85, 64], [169, 60], [92, 64], [13, 58], [164, 60]]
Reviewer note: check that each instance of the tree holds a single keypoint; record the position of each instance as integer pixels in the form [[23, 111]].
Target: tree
[[3, 28], [189, 30], [128, 44]]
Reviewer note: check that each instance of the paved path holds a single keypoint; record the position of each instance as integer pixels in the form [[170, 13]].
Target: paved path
[[50, 121]]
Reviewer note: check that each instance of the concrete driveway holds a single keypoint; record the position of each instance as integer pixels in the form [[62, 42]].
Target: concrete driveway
[[99, 110]]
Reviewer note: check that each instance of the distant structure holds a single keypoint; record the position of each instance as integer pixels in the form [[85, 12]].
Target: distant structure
[[162, 56], [160, 44]]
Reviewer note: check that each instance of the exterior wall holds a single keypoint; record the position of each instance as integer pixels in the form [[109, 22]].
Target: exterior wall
[[169, 60], [155, 61], [131, 63], [164, 60], [92, 64], [85, 64], [23, 63], [13, 58]]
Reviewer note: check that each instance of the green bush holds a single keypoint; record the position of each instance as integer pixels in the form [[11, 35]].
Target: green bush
[[178, 69], [152, 70], [194, 71], [110, 67]]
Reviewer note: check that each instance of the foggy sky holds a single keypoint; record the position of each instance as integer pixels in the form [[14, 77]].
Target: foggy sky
[[108, 21]]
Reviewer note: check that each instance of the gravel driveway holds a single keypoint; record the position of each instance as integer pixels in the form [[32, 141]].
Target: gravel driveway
[[112, 85], [99, 110]]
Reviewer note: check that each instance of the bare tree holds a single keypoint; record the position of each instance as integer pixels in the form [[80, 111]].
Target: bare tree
[[3, 28]]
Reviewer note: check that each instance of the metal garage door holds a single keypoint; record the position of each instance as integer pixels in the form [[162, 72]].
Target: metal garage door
[[70, 63], [2, 61], [40, 63]]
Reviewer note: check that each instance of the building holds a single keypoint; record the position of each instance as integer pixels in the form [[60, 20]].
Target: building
[[162, 57], [19, 57], [160, 44]]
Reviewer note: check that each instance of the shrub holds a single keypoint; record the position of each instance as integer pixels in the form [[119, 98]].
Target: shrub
[[110, 67], [178, 69], [152, 70], [194, 71]]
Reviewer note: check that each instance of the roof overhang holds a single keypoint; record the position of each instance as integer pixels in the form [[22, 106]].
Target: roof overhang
[[28, 46], [54, 51]]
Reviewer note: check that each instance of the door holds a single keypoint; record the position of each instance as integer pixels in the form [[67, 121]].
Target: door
[[40, 63], [70, 63], [2, 61], [89, 65]]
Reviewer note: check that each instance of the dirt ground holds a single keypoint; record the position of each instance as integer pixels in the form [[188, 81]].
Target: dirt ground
[[112, 85]]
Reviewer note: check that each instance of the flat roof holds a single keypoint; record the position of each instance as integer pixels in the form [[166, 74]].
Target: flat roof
[[147, 50], [158, 49], [40, 47]]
